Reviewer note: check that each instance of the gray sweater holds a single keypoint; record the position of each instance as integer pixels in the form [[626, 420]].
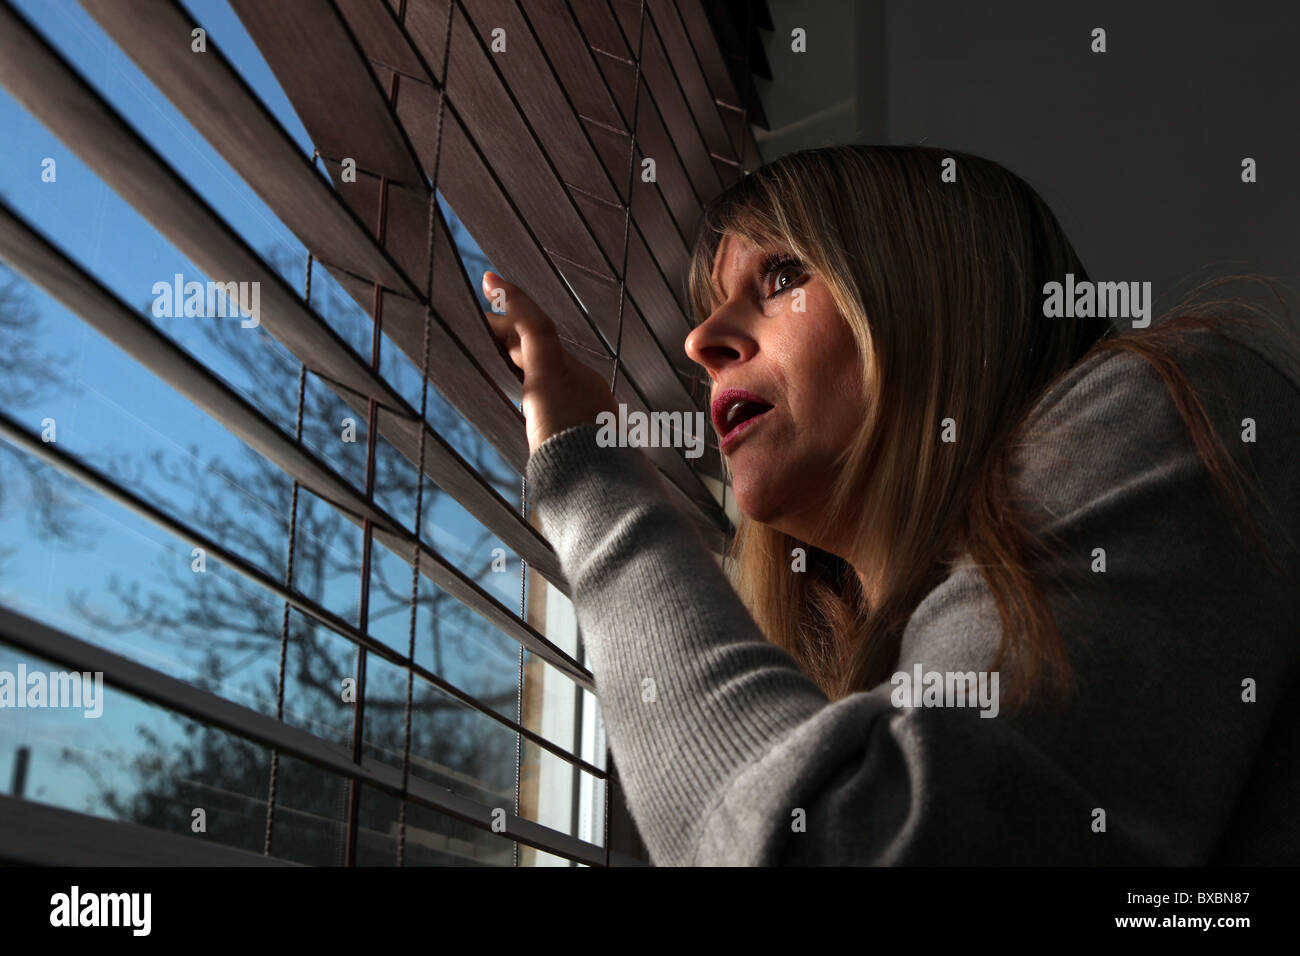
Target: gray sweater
[[728, 754]]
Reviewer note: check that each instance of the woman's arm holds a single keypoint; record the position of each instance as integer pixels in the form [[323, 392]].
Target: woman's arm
[[728, 754]]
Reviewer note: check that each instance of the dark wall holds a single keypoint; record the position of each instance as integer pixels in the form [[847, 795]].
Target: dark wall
[[1138, 150]]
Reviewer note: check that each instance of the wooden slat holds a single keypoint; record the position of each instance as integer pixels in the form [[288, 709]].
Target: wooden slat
[[339, 89], [689, 73], [737, 35], [37, 834], [741, 130], [531, 81], [738, 104], [705, 42], [734, 101]]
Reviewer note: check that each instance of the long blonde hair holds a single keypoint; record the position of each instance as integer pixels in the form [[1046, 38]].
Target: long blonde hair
[[941, 285]]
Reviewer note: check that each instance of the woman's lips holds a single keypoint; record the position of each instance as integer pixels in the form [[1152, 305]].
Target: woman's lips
[[740, 429], [746, 403]]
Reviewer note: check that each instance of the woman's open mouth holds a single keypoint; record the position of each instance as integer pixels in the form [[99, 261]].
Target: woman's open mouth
[[735, 411]]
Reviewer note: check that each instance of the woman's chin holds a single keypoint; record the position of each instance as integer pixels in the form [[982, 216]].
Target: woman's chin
[[756, 499]]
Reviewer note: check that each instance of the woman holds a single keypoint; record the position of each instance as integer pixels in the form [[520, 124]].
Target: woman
[[1015, 591]]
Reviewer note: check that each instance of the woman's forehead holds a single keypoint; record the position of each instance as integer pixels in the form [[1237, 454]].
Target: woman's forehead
[[739, 249], [736, 246]]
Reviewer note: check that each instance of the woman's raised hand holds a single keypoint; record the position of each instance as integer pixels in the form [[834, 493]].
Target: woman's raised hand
[[559, 392]]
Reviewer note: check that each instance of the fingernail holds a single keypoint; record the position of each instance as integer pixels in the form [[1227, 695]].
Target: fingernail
[[491, 278]]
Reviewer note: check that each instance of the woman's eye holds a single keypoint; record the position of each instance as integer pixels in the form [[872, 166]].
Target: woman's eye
[[783, 279]]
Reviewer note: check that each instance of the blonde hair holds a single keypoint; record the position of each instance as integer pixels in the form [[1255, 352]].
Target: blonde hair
[[940, 284]]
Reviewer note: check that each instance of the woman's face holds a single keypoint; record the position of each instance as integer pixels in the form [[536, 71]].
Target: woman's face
[[779, 339]]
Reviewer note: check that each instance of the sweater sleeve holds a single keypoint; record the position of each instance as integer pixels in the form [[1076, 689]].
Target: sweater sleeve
[[730, 755]]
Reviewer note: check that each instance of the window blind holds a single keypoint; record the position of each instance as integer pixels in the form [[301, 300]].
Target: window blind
[[431, 133]]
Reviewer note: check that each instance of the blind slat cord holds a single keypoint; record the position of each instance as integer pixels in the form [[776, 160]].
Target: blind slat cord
[[424, 409], [273, 787], [627, 209]]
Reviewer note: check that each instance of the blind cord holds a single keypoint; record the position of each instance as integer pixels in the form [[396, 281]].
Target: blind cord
[[627, 209], [288, 581], [424, 408]]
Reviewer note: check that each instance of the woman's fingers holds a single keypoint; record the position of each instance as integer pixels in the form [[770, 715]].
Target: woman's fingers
[[507, 343], [524, 330], [514, 302], [558, 391], [505, 336]]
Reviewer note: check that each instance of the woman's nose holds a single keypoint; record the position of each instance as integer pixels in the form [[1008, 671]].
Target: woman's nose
[[720, 341]]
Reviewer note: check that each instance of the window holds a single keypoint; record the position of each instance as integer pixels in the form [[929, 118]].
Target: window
[[216, 226]]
